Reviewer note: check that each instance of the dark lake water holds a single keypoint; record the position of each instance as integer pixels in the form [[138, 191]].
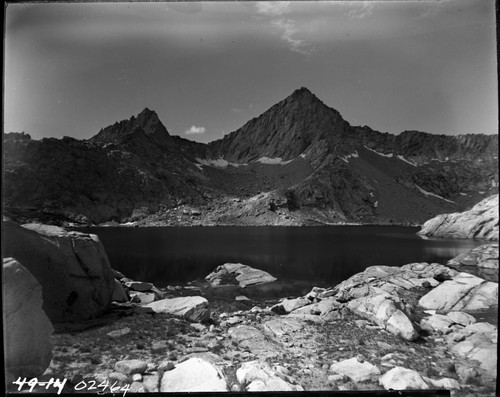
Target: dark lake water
[[321, 256]]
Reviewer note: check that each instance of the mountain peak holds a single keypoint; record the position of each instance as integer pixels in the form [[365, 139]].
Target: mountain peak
[[302, 90]]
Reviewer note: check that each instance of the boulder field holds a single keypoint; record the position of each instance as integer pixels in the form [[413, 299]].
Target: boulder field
[[420, 326]]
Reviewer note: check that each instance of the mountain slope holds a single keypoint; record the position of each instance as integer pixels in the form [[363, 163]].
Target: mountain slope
[[299, 162]]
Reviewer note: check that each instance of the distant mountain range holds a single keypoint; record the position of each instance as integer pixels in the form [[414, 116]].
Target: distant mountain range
[[299, 162]]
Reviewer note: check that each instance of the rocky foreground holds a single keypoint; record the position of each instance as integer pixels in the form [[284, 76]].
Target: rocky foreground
[[419, 326]]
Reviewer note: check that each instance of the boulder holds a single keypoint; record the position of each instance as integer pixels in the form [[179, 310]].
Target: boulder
[[289, 305], [193, 375], [437, 323], [192, 308], [142, 298], [119, 293], [481, 222], [385, 312], [461, 318], [477, 342], [27, 329], [260, 377], [355, 370], [72, 268], [238, 274], [130, 367], [399, 378]]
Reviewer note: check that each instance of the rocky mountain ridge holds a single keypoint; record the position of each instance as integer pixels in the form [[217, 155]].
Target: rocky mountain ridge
[[298, 163]]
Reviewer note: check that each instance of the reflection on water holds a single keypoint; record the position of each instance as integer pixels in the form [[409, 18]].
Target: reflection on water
[[321, 256]]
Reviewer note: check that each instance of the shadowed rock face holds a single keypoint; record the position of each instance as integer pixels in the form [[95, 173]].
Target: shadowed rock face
[[72, 268], [300, 153], [27, 330]]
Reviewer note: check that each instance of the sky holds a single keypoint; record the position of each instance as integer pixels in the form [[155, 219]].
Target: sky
[[207, 68]]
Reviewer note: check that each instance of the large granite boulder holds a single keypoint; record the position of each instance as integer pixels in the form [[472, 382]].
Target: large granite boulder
[[238, 274], [258, 376], [484, 256], [193, 375], [481, 222], [356, 370], [27, 329], [72, 268], [192, 308]]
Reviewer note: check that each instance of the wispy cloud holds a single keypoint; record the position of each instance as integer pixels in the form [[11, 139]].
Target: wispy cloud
[[195, 130], [360, 10], [273, 8], [285, 25]]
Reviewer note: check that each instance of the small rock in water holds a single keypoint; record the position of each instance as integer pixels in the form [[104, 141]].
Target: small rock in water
[[118, 333]]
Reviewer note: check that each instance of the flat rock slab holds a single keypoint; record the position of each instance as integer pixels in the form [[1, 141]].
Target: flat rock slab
[[355, 370], [130, 367], [193, 375], [139, 286], [238, 274], [449, 295], [283, 326], [192, 308], [259, 376], [254, 340]]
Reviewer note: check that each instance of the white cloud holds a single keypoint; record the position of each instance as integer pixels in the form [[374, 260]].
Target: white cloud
[[195, 130], [288, 30], [286, 26]]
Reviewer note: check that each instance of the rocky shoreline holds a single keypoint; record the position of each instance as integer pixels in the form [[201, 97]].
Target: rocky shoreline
[[419, 326]]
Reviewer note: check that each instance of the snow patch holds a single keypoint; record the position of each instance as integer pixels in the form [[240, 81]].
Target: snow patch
[[463, 194], [375, 204], [273, 161], [380, 154], [406, 161], [303, 155], [371, 194], [346, 158], [425, 192], [219, 163]]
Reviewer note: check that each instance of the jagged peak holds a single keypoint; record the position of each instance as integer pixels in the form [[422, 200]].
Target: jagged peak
[[147, 113]]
